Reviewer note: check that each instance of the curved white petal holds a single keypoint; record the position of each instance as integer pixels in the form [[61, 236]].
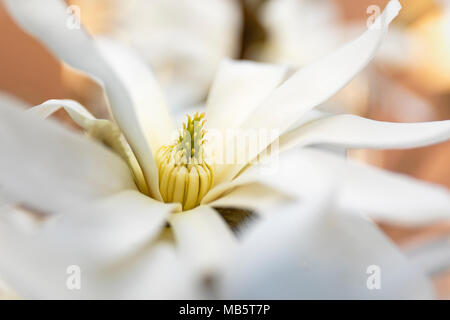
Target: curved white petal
[[318, 81], [102, 130], [48, 23], [315, 253], [76, 111], [351, 131], [315, 83], [238, 88], [49, 168], [203, 238]]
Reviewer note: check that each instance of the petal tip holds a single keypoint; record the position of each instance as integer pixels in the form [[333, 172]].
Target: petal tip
[[392, 10]]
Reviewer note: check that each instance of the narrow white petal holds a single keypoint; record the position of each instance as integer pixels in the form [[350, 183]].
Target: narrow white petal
[[356, 132], [48, 23], [315, 253], [318, 81], [238, 89], [48, 168], [315, 83], [203, 238], [76, 111]]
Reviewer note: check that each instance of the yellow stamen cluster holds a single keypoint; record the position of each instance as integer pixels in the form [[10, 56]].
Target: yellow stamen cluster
[[185, 176]]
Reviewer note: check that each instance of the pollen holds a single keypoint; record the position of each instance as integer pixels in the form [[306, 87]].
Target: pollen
[[184, 174]]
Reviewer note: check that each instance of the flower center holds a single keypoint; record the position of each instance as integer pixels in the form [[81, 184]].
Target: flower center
[[185, 176]]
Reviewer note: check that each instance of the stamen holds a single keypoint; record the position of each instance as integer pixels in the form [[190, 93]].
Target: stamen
[[185, 176]]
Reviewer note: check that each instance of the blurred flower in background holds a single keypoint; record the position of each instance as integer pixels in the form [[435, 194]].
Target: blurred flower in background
[[425, 59], [298, 32], [182, 40]]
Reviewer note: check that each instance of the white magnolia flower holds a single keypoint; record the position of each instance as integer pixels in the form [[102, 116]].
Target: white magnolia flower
[[183, 40], [107, 214]]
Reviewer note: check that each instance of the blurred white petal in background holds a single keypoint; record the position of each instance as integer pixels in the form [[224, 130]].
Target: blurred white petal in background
[[183, 40]]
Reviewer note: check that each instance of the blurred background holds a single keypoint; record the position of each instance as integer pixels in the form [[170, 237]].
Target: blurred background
[[184, 40]]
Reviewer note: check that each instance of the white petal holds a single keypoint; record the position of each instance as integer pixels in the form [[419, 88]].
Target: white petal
[[76, 111], [6, 293], [49, 168], [360, 188], [257, 197], [356, 132], [102, 130], [378, 193], [289, 175], [10, 100], [150, 105], [432, 255], [316, 82], [315, 253], [48, 23], [158, 273], [111, 228], [203, 238], [103, 239], [238, 89], [40, 270]]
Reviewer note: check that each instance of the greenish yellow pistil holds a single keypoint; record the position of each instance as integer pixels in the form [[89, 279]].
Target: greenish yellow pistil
[[185, 176]]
